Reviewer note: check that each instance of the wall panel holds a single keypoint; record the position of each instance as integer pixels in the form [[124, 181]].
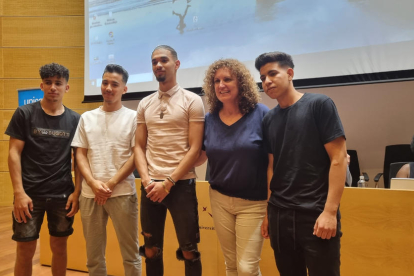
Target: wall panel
[[4, 147], [6, 189], [43, 32], [5, 117], [24, 62], [42, 7], [1, 33], [1, 93], [10, 90], [73, 99], [33, 33], [1, 63]]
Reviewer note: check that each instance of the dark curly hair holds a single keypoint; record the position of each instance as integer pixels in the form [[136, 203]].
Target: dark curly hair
[[248, 91], [54, 69]]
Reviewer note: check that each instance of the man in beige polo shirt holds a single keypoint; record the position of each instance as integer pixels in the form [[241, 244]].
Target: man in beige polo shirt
[[168, 141]]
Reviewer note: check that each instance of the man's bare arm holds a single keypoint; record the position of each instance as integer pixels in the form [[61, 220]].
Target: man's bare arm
[[201, 159], [325, 226], [404, 172], [140, 148], [265, 224], [22, 202], [73, 199], [99, 188], [123, 172], [195, 138]]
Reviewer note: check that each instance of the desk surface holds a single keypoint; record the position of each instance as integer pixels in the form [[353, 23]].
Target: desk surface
[[378, 238]]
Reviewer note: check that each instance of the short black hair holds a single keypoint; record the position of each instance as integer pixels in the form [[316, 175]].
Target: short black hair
[[52, 70], [166, 47], [283, 59], [115, 68]]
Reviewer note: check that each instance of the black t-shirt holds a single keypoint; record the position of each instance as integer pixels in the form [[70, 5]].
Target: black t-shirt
[[46, 156], [296, 136]]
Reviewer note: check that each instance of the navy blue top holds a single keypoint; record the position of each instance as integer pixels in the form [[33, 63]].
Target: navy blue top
[[236, 155]]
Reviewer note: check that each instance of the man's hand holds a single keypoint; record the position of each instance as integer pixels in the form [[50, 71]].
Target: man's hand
[[148, 185], [111, 185], [100, 200], [101, 191], [22, 206], [156, 192], [265, 228], [325, 226], [73, 203]]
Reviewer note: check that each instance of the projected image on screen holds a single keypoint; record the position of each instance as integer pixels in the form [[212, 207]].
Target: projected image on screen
[[325, 37]]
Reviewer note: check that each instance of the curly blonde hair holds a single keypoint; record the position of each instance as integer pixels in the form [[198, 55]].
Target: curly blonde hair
[[248, 91]]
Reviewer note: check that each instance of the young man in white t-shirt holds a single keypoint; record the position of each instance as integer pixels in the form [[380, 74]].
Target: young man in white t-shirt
[[105, 144]]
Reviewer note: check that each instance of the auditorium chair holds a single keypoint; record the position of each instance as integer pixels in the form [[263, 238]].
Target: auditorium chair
[[354, 168], [394, 168], [394, 153]]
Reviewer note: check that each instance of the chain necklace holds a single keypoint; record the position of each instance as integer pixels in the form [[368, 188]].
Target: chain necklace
[[163, 105]]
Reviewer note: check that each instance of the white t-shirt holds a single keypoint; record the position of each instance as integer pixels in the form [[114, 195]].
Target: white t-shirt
[[109, 138]]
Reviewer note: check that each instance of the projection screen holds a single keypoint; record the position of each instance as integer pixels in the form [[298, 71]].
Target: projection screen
[[333, 42]]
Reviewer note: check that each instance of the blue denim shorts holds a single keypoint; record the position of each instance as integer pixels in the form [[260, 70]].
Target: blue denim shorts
[[59, 224]]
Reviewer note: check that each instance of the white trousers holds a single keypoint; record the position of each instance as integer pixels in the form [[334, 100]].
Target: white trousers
[[237, 222], [123, 211]]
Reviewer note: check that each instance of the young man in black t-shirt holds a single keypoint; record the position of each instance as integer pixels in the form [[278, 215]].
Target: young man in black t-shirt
[[306, 141], [40, 170]]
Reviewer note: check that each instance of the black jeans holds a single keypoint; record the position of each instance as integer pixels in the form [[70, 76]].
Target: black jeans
[[295, 247], [183, 206]]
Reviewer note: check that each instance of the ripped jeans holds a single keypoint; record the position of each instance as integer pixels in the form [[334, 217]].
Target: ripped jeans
[[183, 206]]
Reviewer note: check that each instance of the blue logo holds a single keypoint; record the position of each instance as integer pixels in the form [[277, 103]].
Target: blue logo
[[31, 95]]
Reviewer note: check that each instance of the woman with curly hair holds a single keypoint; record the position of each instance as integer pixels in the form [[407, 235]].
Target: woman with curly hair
[[238, 163]]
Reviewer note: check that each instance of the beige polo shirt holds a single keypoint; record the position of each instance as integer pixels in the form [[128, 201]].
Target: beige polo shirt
[[167, 116]]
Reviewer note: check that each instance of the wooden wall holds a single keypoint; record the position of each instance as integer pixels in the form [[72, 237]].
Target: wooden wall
[[33, 33]]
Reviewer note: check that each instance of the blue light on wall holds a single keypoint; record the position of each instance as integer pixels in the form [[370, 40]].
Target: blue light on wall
[[29, 95]]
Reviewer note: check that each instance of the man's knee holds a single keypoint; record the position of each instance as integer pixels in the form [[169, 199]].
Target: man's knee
[[58, 245], [190, 255], [150, 252], [248, 269], [26, 250]]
